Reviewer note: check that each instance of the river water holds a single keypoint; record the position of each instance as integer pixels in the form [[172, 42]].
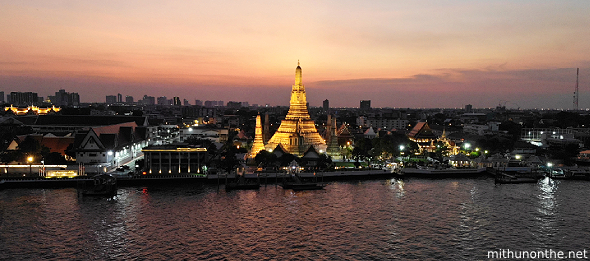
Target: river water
[[411, 219]]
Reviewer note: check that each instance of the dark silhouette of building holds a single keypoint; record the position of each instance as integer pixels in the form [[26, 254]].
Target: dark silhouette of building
[[23, 98], [365, 104], [63, 98], [119, 98], [326, 105], [163, 100], [111, 99], [149, 100], [176, 101], [129, 99]]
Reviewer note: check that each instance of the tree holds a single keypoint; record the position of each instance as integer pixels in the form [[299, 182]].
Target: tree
[[265, 159], [362, 149], [54, 158], [29, 146]]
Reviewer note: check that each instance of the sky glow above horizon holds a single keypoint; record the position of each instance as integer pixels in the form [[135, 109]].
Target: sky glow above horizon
[[394, 53]]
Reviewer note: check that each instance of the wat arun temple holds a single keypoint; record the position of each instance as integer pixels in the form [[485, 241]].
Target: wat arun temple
[[297, 132]]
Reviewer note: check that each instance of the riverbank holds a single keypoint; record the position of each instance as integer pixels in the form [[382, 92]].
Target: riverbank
[[267, 177]]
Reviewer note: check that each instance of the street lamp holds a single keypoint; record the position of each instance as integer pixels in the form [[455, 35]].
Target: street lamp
[[549, 165], [401, 149], [30, 160]]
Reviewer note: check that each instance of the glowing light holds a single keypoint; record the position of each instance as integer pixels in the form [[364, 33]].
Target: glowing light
[[30, 159], [110, 153], [61, 173]]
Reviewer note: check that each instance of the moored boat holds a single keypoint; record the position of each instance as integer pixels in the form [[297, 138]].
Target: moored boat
[[100, 185], [296, 183], [570, 173], [441, 172], [516, 177], [303, 186]]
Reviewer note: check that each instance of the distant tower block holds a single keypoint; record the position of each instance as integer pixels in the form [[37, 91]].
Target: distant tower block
[[326, 105], [297, 131], [258, 143], [468, 108], [365, 105]]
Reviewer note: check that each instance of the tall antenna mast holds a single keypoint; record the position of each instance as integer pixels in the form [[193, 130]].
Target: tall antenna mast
[[576, 93]]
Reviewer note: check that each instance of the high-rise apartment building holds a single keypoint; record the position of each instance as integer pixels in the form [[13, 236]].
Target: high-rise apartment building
[[111, 99], [365, 104], [149, 100], [163, 100], [24, 98], [63, 98], [129, 99]]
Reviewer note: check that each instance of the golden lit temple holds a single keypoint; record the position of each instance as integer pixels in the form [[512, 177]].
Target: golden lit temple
[[31, 109], [297, 131], [258, 143]]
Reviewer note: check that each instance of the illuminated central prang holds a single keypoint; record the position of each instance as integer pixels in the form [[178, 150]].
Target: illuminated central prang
[[297, 131]]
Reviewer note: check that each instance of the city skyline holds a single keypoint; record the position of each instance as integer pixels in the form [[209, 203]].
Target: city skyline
[[418, 54]]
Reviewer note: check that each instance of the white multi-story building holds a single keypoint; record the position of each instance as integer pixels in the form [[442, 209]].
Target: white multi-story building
[[214, 135], [480, 129], [382, 123]]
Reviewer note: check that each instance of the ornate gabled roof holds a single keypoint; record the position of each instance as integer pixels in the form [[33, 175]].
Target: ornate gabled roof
[[422, 130], [370, 132], [311, 153], [343, 130], [279, 150]]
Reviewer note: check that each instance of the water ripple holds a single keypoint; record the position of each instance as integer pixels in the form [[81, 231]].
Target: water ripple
[[369, 220]]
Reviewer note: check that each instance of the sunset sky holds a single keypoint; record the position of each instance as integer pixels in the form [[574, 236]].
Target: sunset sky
[[394, 53]]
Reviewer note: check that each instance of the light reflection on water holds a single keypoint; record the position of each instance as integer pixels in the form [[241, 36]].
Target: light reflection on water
[[457, 219]]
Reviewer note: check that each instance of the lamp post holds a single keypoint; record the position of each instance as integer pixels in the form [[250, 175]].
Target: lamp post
[[550, 165], [30, 160], [467, 146]]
